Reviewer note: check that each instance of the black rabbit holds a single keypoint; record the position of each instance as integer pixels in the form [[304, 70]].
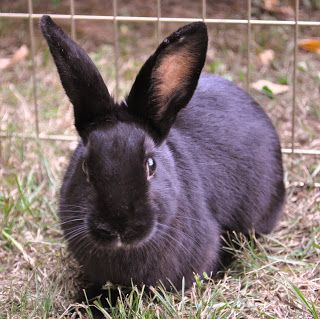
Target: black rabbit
[[157, 179]]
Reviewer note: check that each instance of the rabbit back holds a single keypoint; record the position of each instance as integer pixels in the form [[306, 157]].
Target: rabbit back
[[235, 151]]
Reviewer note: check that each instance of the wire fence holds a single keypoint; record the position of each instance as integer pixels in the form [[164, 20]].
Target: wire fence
[[159, 20]]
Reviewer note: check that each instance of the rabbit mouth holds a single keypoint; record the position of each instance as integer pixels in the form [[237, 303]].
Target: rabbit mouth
[[115, 240]]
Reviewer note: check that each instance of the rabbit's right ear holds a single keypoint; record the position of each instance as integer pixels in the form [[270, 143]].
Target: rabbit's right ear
[[168, 79], [80, 78]]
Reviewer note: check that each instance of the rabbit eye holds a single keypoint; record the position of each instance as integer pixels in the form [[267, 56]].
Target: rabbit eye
[[150, 167], [85, 169]]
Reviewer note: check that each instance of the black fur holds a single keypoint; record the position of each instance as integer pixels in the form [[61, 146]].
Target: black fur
[[218, 166], [142, 100], [80, 78]]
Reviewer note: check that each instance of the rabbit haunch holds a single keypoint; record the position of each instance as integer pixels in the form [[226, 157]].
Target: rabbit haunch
[[214, 154]]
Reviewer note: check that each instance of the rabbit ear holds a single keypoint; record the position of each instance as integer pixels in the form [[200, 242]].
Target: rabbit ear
[[79, 76], [167, 80]]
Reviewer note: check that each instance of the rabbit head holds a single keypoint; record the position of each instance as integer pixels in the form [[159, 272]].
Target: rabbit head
[[126, 169]]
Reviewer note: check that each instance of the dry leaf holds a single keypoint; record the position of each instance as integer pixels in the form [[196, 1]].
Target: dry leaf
[[266, 57], [265, 85], [274, 6], [311, 45], [20, 54], [270, 4], [17, 57], [4, 63]]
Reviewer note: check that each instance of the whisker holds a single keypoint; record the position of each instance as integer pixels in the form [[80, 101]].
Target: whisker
[[175, 240], [171, 246], [71, 206], [94, 250], [74, 228], [189, 253], [75, 210], [85, 244], [181, 232], [81, 242], [78, 241], [71, 220], [68, 220], [75, 233]]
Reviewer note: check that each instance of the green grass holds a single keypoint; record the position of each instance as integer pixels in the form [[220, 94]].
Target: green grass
[[309, 305]]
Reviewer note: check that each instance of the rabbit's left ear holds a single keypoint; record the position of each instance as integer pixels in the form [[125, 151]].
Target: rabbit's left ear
[[80, 78], [166, 82]]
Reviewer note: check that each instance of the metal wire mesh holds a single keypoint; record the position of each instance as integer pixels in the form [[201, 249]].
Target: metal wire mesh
[[115, 18]]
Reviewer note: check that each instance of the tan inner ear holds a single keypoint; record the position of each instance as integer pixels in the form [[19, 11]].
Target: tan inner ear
[[171, 75]]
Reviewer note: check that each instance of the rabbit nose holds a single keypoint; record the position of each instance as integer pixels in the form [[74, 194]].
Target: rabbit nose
[[105, 231]]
